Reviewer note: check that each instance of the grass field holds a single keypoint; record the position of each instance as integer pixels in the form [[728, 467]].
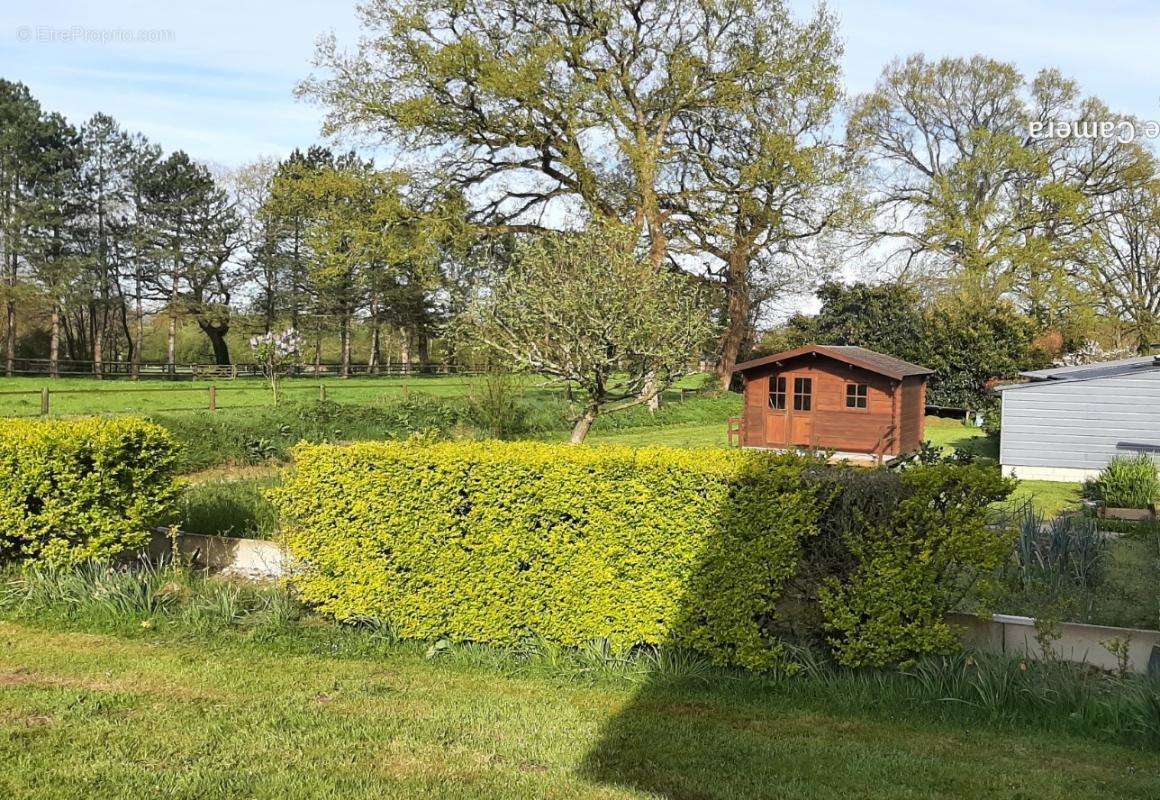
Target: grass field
[[86, 714], [76, 396], [72, 396]]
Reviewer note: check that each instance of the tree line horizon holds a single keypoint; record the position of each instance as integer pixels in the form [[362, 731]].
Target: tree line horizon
[[715, 137]]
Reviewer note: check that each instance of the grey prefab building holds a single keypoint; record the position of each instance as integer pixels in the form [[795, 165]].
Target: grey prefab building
[[1065, 424]]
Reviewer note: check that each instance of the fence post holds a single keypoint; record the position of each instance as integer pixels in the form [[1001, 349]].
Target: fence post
[[44, 402], [322, 392], [406, 391], [212, 397]]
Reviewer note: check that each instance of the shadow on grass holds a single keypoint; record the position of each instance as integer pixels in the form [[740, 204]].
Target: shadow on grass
[[692, 732]]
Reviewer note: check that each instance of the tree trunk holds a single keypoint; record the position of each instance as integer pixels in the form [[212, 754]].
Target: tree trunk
[[139, 336], [217, 340], [344, 336], [10, 313], [658, 246], [376, 348], [171, 345], [54, 343], [424, 346], [737, 320], [653, 392], [98, 344], [584, 424], [405, 350]]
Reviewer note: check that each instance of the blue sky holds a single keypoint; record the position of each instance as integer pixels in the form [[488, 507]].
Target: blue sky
[[218, 81]]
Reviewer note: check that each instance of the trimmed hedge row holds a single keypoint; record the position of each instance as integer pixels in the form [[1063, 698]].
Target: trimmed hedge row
[[498, 542], [74, 490]]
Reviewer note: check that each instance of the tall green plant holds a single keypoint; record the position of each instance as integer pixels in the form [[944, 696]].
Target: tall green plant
[[1128, 482], [496, 404], [80, 489]]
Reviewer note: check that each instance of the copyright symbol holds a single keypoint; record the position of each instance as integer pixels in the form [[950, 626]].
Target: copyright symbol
[[24, 34]]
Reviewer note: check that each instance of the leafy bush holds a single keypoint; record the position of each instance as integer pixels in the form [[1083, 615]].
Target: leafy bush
[[496, 543], [73, 490], [911, 561], [967, 344], [1128, 482]]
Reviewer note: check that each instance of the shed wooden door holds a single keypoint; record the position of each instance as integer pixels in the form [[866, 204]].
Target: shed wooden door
[[775, 411], [801, 409]]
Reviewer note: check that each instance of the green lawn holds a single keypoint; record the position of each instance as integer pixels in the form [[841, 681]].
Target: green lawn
[[695, 435], [951, 434], [87, 715], [74, 396], [1050, 497], [71, 396]]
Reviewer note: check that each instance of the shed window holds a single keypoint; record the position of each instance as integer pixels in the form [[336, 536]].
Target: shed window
[[856, 395], [777, 394], [803, 391]]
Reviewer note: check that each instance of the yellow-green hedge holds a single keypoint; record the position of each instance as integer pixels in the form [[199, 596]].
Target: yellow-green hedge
[[497, 542], [72, 490]]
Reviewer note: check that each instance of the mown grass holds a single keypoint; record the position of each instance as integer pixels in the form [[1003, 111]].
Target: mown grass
[[953, 434], [180, 686], [1051, 498], [77, 396]]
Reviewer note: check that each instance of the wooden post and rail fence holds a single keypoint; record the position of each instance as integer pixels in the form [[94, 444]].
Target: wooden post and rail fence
[[211, 393], [216, 396], [160, 370]]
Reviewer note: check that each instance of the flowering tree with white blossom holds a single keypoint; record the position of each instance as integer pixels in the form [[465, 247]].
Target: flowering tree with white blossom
[[273, 351]]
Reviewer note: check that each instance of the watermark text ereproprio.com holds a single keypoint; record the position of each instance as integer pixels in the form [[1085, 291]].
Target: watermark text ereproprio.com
[[79, 34]]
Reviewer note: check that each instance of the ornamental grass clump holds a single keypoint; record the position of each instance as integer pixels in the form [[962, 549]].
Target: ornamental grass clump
[[1128, 482]]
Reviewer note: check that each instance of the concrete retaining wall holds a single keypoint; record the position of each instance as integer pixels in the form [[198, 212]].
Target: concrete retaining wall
[[246, 558], [1015, 636]]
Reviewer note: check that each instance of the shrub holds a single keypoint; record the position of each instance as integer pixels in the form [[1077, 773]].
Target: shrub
[[910, 562], [80, 489], [497, 543], [1128, 482]]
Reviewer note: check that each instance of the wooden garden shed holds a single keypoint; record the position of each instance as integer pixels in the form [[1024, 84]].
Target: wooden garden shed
[[851, 400]]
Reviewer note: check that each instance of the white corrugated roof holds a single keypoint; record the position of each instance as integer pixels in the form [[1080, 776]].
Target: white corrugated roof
[[1105, 369]]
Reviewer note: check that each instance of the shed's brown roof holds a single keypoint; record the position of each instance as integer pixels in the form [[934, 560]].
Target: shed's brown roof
[[880, 363]]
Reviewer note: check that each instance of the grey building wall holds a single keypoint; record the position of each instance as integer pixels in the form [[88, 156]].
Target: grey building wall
[[1080, 424]]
